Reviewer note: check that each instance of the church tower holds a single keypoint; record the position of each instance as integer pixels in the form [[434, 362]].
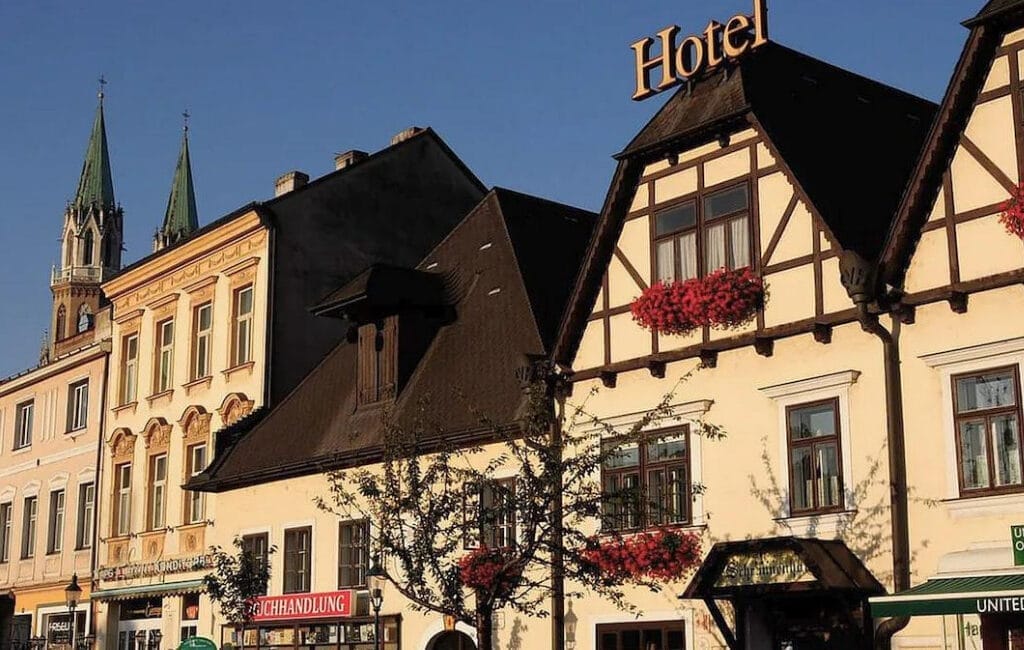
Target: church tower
[[91, 243], [181, 218]]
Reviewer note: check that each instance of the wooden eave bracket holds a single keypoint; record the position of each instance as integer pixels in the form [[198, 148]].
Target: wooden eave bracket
[[657, 368], [958, 302], [708, 358], [905, 314], [608, 378], [823, 333], [764, 346]]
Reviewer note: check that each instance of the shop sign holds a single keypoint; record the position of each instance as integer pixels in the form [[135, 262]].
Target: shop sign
[[197, 643], [1017, 539], [769, 568], [158, 568], [333, 604], [697, 53]]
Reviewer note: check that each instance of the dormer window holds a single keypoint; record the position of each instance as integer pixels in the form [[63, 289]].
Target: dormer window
[[377, 361]]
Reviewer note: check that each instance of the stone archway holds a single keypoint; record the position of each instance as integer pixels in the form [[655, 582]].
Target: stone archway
[[451, 640]]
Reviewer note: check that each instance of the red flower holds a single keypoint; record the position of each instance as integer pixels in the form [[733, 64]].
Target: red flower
[[724, 298], [489, 569], [662, 554], [1012, 217]]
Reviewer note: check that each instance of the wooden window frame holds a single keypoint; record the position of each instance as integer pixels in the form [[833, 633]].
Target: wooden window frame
[[6, 529], [360, 565], [986, 414], [198, 336], [78, 407], [30, 527], [642, 470], [700, 228], [812, 443], [617, 629], [250, 544], [129, 380], [152, 484], [193, 497], [237, 320], [23, 430], [306, 569], [85, 530], [122, 509]]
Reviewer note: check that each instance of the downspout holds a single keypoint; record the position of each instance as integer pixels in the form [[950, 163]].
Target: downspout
[[858, 277], [96, 500]]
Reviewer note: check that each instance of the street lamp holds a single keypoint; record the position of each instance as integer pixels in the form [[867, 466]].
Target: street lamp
[[570, 628], [71, 595], [375, 578]]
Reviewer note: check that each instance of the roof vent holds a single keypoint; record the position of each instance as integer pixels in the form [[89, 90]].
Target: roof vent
[[405, 134], [289, 181], [349, 158]]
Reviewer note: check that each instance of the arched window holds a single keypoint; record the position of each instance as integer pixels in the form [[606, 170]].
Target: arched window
[[60, 327], [106, 252], [69, 250], [84, 318], [87, 248]]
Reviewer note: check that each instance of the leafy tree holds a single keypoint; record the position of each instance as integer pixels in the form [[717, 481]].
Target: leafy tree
[[431, 495], [237, 580]]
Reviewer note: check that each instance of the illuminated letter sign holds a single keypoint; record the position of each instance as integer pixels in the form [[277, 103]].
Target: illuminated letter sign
[[333, 604], [696, 53]]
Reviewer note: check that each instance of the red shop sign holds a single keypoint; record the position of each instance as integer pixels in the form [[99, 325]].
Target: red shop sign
[[330, 604]]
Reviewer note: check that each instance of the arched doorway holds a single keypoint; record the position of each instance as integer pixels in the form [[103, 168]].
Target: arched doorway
[[451, 640]]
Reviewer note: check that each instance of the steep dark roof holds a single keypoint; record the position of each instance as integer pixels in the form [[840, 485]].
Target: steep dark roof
[[468, 368], [849, 143], [940, 145]]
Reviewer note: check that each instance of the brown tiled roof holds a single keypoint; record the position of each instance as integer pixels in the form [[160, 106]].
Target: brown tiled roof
[[501, 263], [994, 9], [848, 142], [940, 145]]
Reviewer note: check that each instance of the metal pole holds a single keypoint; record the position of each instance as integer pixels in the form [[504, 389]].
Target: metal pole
[[71, 617], [376, 628]]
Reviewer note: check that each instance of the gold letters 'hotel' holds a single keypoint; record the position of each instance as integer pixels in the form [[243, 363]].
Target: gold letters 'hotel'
[[213, 326]]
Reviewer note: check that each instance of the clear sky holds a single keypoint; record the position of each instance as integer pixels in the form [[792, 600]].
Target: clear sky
[[533, 95]]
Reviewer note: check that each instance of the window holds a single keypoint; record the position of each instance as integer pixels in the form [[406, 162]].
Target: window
[[664, 635], [498, 514], [189, 616], [129, 368], [6, 512], [23, 425], [296, 559], [376, 361], [647, 483], [815, 467], [55, 531], [157, 491], [60, 328], [202, 331], [258, 547], [163, 378], [195, 502], [353, 553], [696, 237], [87, 242], [78, 405], [28, 527], [123, 499], [242, 330], [84, 318], [86, 511], [987, 415]]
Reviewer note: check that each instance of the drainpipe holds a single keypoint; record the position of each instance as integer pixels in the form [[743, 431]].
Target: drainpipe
[[858, 277]]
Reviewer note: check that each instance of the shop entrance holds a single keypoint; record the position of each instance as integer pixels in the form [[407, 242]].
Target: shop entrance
[[139, 622], [451, 640]]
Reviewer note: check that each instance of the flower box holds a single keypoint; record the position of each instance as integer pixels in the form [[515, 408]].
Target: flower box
[[663, 554], [725, 298]]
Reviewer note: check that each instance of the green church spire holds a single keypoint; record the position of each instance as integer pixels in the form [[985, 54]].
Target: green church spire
[[181, 217], [96, 186]]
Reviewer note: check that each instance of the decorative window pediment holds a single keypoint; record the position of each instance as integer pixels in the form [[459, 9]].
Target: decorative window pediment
[[122, 445], [157, 435], [234, 407]]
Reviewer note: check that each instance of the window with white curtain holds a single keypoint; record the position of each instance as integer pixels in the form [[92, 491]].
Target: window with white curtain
[[703, 234]]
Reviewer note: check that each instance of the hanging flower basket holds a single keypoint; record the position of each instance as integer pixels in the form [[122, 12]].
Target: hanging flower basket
[[725, 298], [491, 569], [662, 555], [1012, 217]]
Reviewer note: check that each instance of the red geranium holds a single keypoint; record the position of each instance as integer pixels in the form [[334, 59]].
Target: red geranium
[[725, 298], [1013, 213], [662, 554], [489, 569]]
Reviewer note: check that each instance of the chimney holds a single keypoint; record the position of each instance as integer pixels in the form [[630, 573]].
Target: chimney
[[289, 181], [405, 134], [349, 158]]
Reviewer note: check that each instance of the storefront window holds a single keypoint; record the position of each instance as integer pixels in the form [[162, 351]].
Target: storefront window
[[664, 635], [348, 634], [58, 630]]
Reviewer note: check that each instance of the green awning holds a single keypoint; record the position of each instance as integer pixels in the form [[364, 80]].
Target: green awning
[[143, 591], [994, 594]]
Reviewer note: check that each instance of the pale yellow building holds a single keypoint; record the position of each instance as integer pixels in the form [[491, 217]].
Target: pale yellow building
[[209, 329]]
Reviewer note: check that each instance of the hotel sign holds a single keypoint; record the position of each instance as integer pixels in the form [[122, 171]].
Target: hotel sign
[[696, 53], [768, 568], [332, 604]]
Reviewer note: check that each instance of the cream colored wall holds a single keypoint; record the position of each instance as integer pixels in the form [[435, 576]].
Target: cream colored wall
[[56, 460], [792, 291], [209, 268]]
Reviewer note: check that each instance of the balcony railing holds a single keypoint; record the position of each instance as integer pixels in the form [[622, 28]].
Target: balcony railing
[[89, 273]]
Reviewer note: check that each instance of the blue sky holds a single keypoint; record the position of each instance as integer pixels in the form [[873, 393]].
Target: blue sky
[[533, 95]]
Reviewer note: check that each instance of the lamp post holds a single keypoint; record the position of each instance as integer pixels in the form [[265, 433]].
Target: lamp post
[[375, 578], [570, 628], [71, 595]]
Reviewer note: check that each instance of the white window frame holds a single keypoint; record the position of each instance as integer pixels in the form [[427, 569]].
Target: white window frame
[[242, 322], [194, 497], [23, 425], [129, 369], [163, 380], [56, 520], [86, 515], [834, 385], [123, 495], [29, 526], [946, 364], [78, 405], [201, 339], [157, 493], [6, 530]]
